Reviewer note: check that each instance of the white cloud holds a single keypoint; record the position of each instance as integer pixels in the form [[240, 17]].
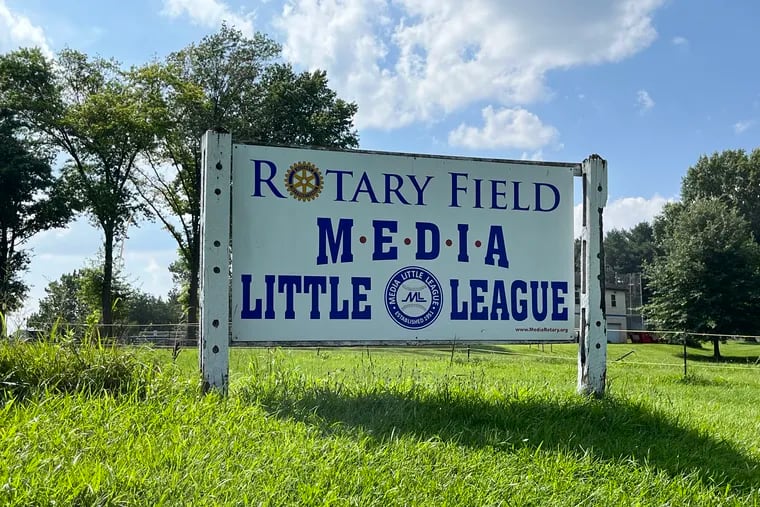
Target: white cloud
[[149, 270], [410, 60], [679, 41], [209, 13], [743, 126], [644, 101], [505, 128], [536, 156], [18, 31], [626, 212]]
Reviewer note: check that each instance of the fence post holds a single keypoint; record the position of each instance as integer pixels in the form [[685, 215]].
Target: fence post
[[592, 340], [214, 340]]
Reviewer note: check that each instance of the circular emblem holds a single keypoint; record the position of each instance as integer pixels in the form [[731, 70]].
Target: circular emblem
[[413, 297], [304, 181]]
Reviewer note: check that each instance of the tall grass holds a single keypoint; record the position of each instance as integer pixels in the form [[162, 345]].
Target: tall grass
[[393, 427], [59, 365]]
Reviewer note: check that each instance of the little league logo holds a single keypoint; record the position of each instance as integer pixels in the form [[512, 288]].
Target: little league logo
[[413, 297]]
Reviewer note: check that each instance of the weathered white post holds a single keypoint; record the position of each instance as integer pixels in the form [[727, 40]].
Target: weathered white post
[[214, 340], [592, 343]]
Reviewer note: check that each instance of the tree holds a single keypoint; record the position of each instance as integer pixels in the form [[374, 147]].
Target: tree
[[299, 109], [627, 251], [146, 309], [62, 301], [229, 81], [29, 203], [706, 275], [75, 298], [101, 118], [731, 176]]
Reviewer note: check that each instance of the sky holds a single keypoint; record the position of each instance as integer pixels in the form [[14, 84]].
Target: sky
[[650, 85]]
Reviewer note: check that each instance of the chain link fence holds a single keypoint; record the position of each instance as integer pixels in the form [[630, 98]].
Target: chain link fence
[[688, 348], [156, 335]]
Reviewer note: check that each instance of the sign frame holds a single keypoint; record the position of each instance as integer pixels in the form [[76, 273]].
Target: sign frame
[[215, 284]]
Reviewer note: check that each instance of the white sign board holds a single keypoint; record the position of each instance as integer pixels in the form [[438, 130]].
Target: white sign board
[[360, 246]]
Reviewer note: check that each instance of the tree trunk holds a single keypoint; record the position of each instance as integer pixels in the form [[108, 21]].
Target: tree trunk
[[194, 244], [5, 277], [193, 296], [716, 348], [105, 294]]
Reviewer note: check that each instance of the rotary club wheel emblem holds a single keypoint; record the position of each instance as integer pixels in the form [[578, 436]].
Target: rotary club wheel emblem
[[304, 181]]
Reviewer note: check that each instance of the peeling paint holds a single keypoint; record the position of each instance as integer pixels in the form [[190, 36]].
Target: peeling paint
[[592, 343]]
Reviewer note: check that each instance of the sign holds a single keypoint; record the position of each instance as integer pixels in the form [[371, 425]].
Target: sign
[[347, 246]]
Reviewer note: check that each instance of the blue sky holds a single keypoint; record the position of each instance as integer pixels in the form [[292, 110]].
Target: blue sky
[[649, 84]]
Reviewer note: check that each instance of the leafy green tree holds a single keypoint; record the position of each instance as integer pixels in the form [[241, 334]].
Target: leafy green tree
[[101, 118], [577, 247], [64, 301], [146, 309], [229, 81], [29, 203], [75, 298], [732, 176], [627, 251], [706, 275], [299, 109]]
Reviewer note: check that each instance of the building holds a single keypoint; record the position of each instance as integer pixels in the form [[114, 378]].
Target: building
[[615, 298]]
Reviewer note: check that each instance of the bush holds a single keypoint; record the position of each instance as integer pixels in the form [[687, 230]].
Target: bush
[[28, 368]]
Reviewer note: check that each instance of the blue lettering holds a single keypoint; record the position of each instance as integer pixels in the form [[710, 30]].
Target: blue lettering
[[477, 299], [389, 188], [269, 282], [478, 182], [335, 312], [555, 193], [559, 291], [420, 189], [381, 239], [535, 295], [339, 187], [258, 179], [455, 189], [314, 285], [516, 196], [289, 284], [247, 312], [496, 246], [337, 242], [435, 241], [456, 312], [519, 306], [365, 186], [357, 312], [499, 303], [463, 257], [495, 194]]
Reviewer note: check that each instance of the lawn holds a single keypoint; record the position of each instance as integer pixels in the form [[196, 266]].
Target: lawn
[[414, 426]]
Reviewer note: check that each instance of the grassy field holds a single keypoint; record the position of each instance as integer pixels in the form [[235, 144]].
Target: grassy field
[[411, 426]]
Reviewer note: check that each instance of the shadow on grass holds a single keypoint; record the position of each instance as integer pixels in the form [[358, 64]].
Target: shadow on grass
[[443, 350], [746, 360], [608, 429]]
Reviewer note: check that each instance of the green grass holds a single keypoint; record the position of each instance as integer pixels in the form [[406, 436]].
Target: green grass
[[415, 426], [62, 367]]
